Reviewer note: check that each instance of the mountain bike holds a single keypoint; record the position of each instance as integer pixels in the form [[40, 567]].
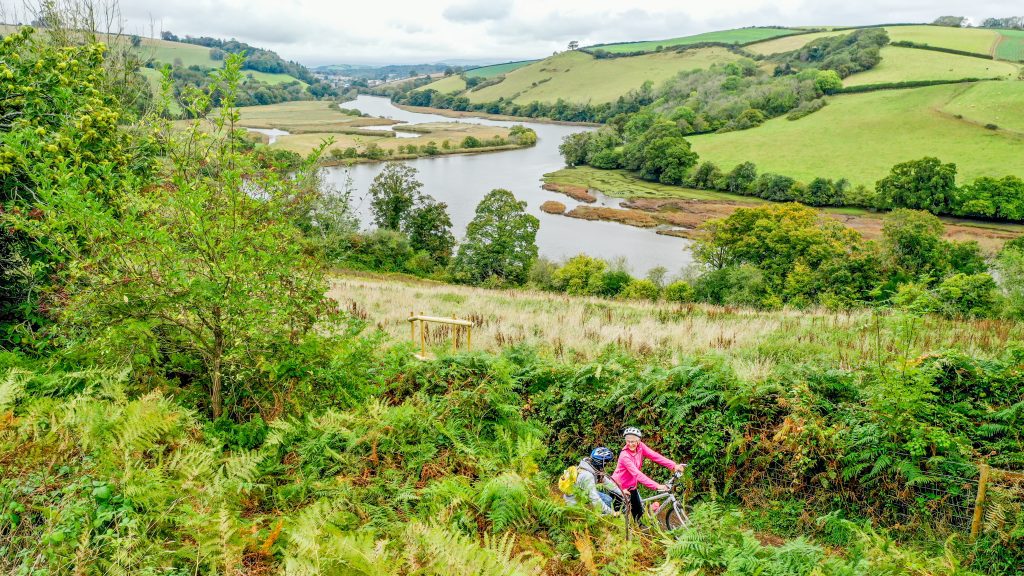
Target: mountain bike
[[666, 508]]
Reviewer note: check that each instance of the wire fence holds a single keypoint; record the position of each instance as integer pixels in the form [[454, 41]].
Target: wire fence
[[904, 492]]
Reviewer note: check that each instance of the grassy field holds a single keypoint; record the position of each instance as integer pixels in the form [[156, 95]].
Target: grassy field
[[979, 40], [448, 84], [789, 43], [860, 136], [495, 69], [271, 78], [999, 103], [579, 77], [738, 36], [304, 116], [906, 64], [1011, 45], [752, 342], [437, 132]]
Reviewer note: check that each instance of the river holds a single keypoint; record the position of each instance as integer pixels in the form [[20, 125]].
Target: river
[[462, 180]]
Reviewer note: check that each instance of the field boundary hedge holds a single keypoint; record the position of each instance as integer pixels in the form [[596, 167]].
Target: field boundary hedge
[[909, 44], [907, 84]]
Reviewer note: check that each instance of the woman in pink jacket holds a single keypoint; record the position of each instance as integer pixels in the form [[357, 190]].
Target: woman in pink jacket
[[628, 474]]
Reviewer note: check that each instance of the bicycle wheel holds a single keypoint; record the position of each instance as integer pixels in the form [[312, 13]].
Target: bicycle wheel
[[673, 517]]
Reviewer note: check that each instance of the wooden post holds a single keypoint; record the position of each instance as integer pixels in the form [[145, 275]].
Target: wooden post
[[423, 338], [455, 337], [979, 502], [469, 338]]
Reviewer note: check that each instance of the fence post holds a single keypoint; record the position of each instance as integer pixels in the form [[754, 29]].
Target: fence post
[[979, 502]]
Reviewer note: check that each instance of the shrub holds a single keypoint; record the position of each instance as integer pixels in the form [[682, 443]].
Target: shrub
[[641, 290], [678, 291], [968, 295]]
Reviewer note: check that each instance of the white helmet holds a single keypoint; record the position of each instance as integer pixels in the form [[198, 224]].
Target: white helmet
[[632, 431]]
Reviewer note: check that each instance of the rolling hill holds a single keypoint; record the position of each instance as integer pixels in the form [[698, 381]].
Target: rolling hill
[[576, 76], [738, 36]]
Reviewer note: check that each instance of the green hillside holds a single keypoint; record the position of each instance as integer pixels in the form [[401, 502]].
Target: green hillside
[[576, 76], [165, 52], [909, 64], [860, 136], [996, 103], [448, 84], [1010, 45], [978, 40], [789, 43], [496, 69], [738, 36]]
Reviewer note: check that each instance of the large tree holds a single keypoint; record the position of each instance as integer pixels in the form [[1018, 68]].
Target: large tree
[[393, 193], [925, 184], [500, 242], [430, 229]]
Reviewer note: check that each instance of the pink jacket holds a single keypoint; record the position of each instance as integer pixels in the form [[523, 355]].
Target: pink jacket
[[627, 470]]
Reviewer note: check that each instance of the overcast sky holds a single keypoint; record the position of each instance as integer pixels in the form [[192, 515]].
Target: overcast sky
[[318, 32]]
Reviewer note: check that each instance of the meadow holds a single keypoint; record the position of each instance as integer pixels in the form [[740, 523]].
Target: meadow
[[910, 64], [789, 43], [1010, 45], [453, 83], [870, 133], [496, 69], [576, 76], [977, 40], [437, 132], [997, 103], [752, 342], [738, 36], [304, 116]]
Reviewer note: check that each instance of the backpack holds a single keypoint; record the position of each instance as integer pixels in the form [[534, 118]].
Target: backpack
[[567, 481]]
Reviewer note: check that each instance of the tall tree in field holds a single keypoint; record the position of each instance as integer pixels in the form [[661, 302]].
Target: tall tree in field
[[393, 193], [501, 242]]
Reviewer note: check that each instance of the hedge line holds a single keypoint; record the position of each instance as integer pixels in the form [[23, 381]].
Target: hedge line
[[906, 84], [909, 44]]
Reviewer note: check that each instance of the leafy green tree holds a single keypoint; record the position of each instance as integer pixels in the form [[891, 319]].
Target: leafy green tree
[[774, 187], [993, 198], [199, 268], [800, 254], [500, 243], [574, 148], [914, 247], [579, 274], [828, 82], [707, 176], [925, 184], [430, 229], [393, 193], [668, 160], [678, 291], [641, 289], [740, 180], [968, 295]]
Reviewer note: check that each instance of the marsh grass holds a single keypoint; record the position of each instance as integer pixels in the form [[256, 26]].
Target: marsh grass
[[753, 342]]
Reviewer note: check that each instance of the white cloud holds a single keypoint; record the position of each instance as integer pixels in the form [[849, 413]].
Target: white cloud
[[478, 10], [411, 31]]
